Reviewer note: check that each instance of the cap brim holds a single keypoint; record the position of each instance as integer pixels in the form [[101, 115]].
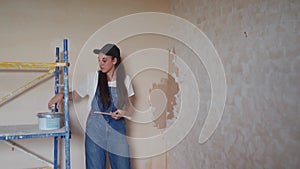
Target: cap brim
[[97, 51]]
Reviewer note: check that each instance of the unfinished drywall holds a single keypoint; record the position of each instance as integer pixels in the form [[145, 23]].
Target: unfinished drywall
[[258, 43]]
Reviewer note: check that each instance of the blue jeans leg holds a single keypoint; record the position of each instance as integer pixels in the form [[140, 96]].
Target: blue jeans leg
[[119, 162], [95, 156]]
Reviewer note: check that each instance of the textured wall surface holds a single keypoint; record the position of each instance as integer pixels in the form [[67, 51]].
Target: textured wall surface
[[258, 43]]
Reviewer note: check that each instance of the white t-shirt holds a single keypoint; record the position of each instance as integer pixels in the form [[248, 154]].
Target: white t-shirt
[[89, 87]]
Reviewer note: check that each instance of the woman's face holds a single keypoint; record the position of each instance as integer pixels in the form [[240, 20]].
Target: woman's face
[[106, 63]]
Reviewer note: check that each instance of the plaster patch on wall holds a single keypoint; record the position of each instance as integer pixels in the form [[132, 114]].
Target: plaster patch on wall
[[170, 88]]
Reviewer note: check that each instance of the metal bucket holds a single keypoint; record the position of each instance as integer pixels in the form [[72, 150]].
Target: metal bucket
[[49, 121]]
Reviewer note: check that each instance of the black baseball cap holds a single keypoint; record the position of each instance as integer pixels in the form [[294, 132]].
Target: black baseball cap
[[109, 49]]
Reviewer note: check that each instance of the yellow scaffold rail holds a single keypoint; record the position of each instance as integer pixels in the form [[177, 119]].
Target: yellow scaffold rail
[[30, 65], [26, 86]]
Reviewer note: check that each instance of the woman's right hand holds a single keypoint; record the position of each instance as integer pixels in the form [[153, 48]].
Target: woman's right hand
[[56, 99]]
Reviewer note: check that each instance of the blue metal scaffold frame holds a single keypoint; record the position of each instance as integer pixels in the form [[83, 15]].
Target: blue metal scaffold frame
[[31, 131]]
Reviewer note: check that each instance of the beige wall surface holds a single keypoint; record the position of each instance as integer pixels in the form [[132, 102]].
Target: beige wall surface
[[258, 43], [30, 31]]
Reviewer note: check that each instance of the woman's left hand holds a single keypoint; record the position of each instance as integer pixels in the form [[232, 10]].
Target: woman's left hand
[[118, 114]]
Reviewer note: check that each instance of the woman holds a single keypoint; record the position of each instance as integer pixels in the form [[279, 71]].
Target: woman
[[109, 91]]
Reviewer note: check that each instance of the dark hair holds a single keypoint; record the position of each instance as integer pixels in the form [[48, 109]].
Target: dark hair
[[104, 94]]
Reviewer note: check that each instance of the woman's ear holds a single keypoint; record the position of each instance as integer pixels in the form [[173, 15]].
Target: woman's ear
[[115, 60]]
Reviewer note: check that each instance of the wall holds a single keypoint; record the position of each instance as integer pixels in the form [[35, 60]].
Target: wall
[[30, 31], [258, 43]]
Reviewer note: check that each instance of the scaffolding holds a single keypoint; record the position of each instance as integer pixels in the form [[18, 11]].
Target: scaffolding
[[14, 132]]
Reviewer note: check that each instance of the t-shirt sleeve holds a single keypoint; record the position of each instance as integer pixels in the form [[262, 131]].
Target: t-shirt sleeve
[[129, 87]]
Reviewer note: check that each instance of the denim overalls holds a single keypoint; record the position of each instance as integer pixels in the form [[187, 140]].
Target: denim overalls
[[105, 134]]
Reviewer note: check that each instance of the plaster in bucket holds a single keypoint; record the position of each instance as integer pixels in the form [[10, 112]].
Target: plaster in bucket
[[49, 120]]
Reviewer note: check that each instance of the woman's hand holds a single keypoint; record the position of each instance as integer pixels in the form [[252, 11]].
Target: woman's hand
[[56, 99], [118, 114]]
